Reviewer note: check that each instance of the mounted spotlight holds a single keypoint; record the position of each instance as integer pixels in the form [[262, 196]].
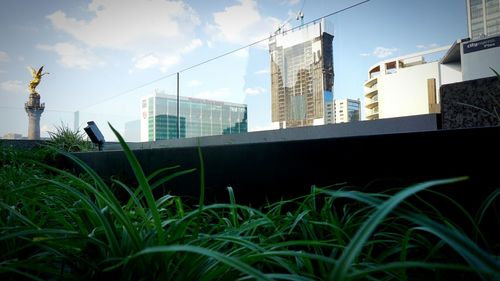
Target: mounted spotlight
[[95, 134]]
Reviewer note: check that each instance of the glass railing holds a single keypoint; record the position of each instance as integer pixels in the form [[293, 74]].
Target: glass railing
[[258, 83]]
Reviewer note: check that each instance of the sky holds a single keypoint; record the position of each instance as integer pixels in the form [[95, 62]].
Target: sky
[[104, 55]]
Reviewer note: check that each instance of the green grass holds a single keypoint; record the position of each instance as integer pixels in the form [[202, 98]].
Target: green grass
[[56, 225], [66, 139]]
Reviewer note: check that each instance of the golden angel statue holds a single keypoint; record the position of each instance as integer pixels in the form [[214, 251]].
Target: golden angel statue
[[37, 76]]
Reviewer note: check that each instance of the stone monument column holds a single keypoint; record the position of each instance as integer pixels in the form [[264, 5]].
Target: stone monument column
[[34, 110], [33, 106]]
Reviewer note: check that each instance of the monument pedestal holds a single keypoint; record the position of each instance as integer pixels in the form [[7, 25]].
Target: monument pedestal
[[34, 110]]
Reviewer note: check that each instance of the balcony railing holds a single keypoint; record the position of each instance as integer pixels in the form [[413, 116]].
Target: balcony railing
[[372, 103], [370, 82]]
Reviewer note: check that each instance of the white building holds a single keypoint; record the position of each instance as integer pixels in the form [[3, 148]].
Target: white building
[[347, 110], [403, 86], [409, 85]]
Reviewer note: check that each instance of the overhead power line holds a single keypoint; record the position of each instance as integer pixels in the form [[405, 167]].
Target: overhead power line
[[225, 54]]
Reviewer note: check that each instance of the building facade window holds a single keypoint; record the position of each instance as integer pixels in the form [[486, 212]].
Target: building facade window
[[197, 117], [484, 18]]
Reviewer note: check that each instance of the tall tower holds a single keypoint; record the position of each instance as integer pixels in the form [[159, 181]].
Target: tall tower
[[483, 18], [34, 110], [302, 76], [33, 106]]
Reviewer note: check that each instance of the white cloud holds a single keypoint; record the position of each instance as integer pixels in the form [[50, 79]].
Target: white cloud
[[292, 2], [162, 61], [147, 62], [243, 53], [72, 56], [242, 24], [13, 86], [4, 57], [165, 28], [123, 24], [194, 83], [194, 44], [167, 61], [262, 71], [428, 46], [222, 94], [255, 91], [382, 52]]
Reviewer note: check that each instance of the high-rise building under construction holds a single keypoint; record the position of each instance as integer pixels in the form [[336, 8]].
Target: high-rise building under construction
[[302, 76]]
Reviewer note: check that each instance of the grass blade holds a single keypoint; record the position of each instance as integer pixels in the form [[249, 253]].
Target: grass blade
[[234, 212], [230, 261], [359, 240], [143, 184]]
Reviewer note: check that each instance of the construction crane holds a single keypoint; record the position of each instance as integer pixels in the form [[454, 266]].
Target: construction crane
[[299, 15]]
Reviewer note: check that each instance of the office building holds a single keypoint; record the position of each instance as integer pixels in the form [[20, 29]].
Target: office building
[[302, 76], [346, 110], [403, 86], [197, 117], [475, 57], [132, 131], [483, 18]]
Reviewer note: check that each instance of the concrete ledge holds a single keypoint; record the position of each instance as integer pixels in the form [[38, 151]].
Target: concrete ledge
[[408, 124], [22, 144], [418, 123]]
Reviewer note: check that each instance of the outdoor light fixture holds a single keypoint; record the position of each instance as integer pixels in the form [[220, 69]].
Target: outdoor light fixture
[[94, 134]]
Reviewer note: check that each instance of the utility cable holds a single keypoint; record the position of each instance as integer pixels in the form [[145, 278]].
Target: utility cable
[[227, 53]]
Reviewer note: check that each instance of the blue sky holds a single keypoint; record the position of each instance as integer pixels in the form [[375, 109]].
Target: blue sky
[[103, 55]]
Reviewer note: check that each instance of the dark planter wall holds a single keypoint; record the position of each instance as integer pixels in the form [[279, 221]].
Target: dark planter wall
[[471, 104], [260, 171]]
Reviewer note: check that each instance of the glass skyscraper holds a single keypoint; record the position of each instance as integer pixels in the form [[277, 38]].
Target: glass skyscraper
[[302, 76], [484, 18], [197, 117]]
